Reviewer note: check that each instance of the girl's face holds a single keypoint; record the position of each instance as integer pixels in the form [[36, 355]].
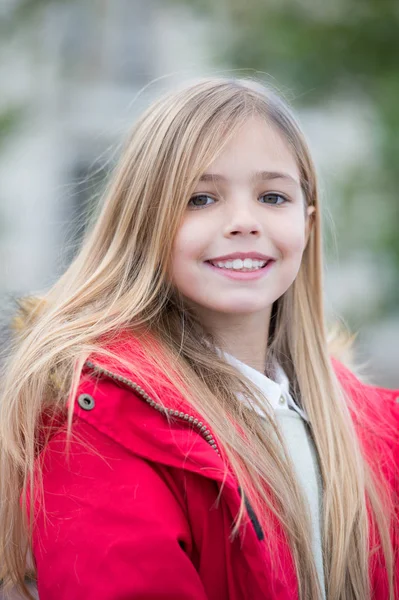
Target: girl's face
[[240, 244]]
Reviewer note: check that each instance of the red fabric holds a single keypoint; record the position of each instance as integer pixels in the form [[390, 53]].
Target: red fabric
[[132, 512]]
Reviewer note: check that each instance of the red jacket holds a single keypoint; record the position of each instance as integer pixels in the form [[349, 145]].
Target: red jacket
[[132, 514]]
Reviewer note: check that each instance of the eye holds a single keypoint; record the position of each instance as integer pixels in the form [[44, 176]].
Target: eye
[[274, 199], [200, 200]]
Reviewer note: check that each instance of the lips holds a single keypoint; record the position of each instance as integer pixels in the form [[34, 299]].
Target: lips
[[241, 261], [237, 269]]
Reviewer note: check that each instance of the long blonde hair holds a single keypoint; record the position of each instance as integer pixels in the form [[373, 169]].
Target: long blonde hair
[[119, 281]]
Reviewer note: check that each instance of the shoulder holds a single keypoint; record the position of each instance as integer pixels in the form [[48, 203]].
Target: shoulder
[[362, 393], [375, 413], [374, 409]]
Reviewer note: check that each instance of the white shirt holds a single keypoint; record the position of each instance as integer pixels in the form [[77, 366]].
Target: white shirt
[[277, 392]]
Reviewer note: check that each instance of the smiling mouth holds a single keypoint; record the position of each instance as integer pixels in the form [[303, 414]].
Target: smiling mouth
[[238, 264]]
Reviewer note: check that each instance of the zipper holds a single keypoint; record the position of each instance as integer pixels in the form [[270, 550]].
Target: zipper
[[199, 425]]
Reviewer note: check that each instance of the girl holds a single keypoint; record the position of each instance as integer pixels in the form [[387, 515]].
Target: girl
[[172, 422]]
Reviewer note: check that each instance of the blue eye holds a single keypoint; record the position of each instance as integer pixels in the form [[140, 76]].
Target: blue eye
[[200, 200], [274, 199]]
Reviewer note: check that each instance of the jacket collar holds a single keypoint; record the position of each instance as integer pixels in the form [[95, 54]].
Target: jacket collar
[[147, 414], [272, 390]]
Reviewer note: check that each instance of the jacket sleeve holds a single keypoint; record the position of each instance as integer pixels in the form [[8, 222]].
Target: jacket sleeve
[[109, 528]]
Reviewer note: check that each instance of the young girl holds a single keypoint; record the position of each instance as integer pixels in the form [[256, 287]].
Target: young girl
[[172, 422]]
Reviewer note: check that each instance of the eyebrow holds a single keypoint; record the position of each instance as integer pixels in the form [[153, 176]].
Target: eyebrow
[[258, 175]]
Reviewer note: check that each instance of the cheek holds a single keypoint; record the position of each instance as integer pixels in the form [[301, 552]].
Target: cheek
[[188, 244], [188, 249], [289, 237]]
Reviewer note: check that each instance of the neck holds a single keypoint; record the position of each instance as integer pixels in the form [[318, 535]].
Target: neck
[[242, 336]]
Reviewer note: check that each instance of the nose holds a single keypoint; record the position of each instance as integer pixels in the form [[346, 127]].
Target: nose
[[242, 222]]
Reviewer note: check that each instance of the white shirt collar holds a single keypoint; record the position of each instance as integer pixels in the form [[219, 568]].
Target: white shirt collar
[[274, 393]]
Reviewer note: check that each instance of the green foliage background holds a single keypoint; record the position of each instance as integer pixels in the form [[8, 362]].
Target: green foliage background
[[321, 50]]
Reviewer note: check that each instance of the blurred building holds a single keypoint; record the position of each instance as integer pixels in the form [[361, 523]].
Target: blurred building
[[79, 70]]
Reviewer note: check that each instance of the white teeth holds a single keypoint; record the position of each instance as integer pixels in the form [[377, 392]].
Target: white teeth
[[238, 264]]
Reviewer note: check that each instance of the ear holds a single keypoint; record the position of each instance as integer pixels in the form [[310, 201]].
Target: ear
[[310, 211]]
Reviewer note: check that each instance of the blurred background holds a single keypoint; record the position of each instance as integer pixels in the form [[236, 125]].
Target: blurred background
[[76, 73]]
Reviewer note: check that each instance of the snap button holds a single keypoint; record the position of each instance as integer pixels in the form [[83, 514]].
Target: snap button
[[281, 400], [86, 402]]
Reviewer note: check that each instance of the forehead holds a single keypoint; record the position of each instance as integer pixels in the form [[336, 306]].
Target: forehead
[[256, 145]]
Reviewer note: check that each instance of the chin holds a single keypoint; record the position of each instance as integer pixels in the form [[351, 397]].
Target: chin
[[240, 308]]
